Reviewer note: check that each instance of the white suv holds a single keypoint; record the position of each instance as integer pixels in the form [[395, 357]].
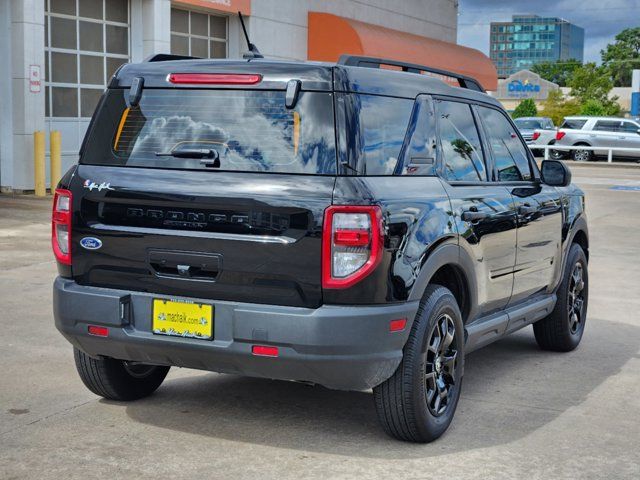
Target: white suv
[[606, 132]]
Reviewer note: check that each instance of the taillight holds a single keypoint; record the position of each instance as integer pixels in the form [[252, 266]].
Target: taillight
[[560, 134], [536, 135], [352, 241], [61, 226], [215, 78]]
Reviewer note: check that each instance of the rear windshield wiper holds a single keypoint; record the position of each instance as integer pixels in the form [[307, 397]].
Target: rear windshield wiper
[[190, 153]]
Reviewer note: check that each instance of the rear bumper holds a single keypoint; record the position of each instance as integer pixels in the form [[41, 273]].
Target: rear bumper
[[342, 347]]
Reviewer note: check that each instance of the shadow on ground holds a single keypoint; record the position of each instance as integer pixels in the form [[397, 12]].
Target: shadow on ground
[[511, 389]]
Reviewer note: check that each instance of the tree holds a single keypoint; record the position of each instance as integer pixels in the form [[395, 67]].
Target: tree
[[591, 82], [557, 72], [622, 56], [557, 107], [593, 108], [526, 108]]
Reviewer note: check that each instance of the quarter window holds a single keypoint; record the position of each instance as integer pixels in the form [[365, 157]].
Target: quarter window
[[381, 123], [462, 156], [509, 153], [573, 123]]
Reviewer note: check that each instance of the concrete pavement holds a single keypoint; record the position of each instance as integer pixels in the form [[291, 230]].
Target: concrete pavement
[[523, 412]]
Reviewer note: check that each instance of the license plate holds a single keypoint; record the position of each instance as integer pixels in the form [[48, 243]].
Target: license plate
[[182, 319]]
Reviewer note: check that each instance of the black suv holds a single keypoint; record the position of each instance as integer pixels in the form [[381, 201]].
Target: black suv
[[343, 224]]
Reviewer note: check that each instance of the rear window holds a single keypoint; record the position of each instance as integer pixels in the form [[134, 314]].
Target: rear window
[[528, 124], [574, 123], [243, 130]]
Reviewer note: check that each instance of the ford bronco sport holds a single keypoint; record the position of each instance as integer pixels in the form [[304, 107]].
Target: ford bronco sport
[[342, 224]]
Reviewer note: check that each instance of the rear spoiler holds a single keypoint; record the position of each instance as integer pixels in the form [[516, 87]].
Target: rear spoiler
[[372, 62]]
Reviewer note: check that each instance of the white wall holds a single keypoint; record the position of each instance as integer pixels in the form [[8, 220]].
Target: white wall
[[6, 99], [22, 111]]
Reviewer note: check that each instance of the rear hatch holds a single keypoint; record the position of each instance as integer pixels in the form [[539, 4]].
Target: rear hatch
[[211, 191]]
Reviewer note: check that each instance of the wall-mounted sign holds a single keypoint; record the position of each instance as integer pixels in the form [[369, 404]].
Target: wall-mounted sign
[[519, 88], [35, 82]]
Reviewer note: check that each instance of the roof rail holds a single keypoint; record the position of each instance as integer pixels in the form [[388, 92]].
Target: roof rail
[[165, 57], [372, 62]]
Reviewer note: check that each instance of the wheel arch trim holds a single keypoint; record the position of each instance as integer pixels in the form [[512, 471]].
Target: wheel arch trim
[[449, 255]]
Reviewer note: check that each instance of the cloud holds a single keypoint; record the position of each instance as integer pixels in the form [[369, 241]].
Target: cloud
[[601, 23]]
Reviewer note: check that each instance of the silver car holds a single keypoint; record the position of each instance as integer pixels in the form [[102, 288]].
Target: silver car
[[607, 132], [528, 125]]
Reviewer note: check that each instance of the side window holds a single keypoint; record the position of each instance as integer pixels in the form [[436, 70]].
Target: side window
[[509, 153], [462, 156], [630, 127], [382, 124], [607, 126]]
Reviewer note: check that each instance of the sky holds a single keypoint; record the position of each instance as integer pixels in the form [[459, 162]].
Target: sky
[[601, 19]]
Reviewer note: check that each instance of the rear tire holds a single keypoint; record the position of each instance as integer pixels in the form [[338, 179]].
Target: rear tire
[[418, 402], [562, 330], [557, 155], [582, 155], [116, 379]]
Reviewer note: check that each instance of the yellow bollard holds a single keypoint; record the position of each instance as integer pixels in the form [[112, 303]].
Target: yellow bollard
[[39, 164], [54, 146]]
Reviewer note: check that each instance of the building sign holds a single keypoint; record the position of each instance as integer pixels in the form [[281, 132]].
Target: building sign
[[518, 88], [35, 82], [524, 84], [229, 6]]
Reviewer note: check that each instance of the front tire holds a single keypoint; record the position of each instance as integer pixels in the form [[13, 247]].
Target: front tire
[[562, 330], [116, 379], [418, 402]]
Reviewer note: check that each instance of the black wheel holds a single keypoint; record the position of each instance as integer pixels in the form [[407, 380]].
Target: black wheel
[[556, 154], [117, 379], [582, 155], [418, 402], [562, 330]]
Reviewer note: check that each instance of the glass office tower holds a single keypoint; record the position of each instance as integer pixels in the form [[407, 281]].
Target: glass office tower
[[530, 39]]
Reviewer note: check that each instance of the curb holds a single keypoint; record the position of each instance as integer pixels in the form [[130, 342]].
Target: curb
[[604, 165], [631, 165]]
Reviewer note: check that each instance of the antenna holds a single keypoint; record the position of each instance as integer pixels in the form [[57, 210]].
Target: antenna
[[253, 50]]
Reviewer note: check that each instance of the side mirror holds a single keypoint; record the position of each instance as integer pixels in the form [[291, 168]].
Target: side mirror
[[638, 131], [555, 173]]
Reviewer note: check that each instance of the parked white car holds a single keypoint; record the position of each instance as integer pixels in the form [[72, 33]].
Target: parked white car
[[606, 132]]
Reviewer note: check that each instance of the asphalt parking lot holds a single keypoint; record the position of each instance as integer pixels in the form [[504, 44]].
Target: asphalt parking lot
[[523, 412]]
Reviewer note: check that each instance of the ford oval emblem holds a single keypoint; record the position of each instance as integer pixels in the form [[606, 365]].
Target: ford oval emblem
[[91, 243]]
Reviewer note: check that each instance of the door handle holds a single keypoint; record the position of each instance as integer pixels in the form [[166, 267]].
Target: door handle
[[527, 210], [472, 216]]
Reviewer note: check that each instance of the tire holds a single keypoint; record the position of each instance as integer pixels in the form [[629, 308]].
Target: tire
[[407, 403], [582, 155], [562, 330], [557, 155], [115, 379]]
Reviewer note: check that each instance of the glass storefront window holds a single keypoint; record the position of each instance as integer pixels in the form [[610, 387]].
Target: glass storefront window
[[85, 42], [198, 34]]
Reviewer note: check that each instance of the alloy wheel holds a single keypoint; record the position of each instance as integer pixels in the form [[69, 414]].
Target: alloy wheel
[[581, 155], [575, 304], [441, 364]]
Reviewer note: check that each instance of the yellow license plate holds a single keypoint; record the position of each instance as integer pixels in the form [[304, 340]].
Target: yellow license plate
[[182, 319]]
